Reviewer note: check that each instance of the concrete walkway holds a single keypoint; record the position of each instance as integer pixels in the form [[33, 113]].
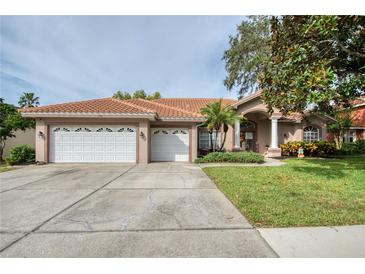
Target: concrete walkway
[[317, 242]]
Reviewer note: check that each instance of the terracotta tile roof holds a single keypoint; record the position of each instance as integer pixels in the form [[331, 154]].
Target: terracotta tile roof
[[295, 116], [358, 101], [192, 104], [358, 116], [104, 105], [163, 108]]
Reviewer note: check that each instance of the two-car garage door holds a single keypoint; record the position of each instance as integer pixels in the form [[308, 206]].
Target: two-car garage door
[[104, 143], [84, 143]]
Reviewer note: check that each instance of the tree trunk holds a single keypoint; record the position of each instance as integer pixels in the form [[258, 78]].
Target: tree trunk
[[216, 138], [224, 140], [338, 140], [2, 146], [211, 140]]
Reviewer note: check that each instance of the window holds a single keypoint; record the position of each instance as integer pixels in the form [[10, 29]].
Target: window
[[204, 139], [311, 134], [350, 136]]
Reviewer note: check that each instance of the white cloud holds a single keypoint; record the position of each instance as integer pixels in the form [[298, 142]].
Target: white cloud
[[71, 58]]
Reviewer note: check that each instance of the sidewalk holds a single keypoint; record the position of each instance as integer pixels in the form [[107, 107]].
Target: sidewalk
[[317, 242]]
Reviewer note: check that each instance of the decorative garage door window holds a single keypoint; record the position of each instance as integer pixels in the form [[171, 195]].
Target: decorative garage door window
[[92, 143], [311, 134], [93, 129], [169, 131]]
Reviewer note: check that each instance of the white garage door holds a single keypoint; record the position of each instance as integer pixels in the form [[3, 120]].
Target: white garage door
[[74, 144], [170, 144]]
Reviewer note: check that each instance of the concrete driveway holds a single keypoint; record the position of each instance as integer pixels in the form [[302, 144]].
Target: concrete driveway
[[120, 210]]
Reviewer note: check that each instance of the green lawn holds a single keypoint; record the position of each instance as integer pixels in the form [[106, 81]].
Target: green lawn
[[3, 167], [304, 192]]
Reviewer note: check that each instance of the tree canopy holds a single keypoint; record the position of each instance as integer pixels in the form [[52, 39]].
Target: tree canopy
[[218, 116], [304, 62], [10, 121], [28, 99], [136, 94], [249, 51]]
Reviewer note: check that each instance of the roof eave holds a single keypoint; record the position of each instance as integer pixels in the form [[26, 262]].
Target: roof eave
[[182, 119], [247, 99]]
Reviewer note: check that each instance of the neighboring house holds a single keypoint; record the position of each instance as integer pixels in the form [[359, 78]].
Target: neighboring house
[[21, 138], [168, 129], [357, 130]]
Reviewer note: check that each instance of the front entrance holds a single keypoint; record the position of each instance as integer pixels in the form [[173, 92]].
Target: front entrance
[[248, 136]]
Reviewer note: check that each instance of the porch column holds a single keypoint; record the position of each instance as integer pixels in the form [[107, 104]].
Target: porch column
[[274, 150], [237, 131], [274, 132]]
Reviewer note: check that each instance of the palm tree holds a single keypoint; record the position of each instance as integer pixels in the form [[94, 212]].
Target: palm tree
[[218, 116], [28, 100]]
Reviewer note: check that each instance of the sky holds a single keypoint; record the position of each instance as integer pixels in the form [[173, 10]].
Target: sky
[[73, 58]]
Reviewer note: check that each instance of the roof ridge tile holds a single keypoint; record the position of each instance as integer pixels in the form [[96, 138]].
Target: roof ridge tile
[[134, 105], [171, 107]]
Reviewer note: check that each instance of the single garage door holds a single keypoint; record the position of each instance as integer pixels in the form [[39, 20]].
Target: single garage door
[[170, 144], [92, 144]]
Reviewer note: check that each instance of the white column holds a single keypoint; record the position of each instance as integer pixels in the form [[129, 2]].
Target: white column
[[274, 132], [237, 131]]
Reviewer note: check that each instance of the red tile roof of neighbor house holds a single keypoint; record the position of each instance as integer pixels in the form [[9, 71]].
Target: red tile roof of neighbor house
[[167, 107], [358, 116]]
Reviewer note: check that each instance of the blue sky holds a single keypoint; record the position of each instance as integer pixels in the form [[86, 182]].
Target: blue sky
[[70, 58]]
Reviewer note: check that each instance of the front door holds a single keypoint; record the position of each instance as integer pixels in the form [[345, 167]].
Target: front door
[[248, 136], [249, 141]]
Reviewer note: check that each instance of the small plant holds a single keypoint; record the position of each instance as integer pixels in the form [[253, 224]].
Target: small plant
[[231, 157], [22, 154]]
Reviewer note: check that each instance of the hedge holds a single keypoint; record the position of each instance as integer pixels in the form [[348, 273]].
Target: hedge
[[231, 157]]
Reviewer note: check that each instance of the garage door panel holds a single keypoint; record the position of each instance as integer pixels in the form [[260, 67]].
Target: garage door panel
[[92, 144], [170, 144]]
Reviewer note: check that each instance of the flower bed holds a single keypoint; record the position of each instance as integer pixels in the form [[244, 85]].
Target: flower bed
[[231, 157]]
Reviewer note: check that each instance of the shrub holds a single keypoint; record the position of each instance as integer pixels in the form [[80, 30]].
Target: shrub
[[231, 157], [22, 154], [325, 148], [360, 146], [357, 147], [291, 148], [320, 148]]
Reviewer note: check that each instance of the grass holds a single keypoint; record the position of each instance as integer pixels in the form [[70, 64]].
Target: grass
[[303, 192], [4, 167]]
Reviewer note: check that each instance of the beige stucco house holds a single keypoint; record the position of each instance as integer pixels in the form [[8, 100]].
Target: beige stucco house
[[168, 129]]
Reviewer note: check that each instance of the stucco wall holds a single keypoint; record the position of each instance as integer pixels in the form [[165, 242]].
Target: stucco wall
[[26, 137], [142, 126], [255, 105]]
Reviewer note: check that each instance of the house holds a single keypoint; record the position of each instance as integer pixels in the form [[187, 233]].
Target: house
[[168, 129], [357, 130]]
